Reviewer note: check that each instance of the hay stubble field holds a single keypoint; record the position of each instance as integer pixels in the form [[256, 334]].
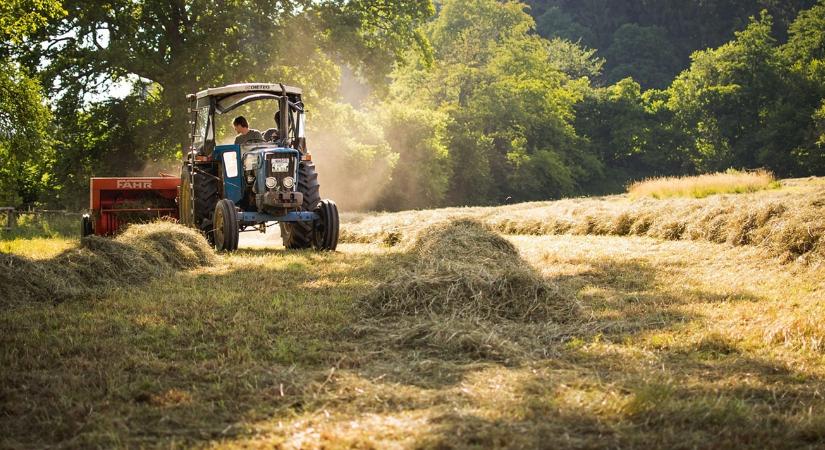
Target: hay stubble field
[[582, 323]]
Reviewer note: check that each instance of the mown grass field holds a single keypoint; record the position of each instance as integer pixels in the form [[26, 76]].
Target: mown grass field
[[605, 340]]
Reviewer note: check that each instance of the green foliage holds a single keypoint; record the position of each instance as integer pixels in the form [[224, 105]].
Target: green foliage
[[805, 53], [744, 107], [472, 107], [643, 53], [631, 133], [422, 173], [574, 60], [371, 35], [22, 18], [510, 105], [26, 145], [187, 45], [652, 40], [555, 23]]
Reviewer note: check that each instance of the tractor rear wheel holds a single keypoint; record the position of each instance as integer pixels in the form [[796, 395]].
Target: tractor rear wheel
[[325, 236], [203, 201], [225, 232], [298, 235]]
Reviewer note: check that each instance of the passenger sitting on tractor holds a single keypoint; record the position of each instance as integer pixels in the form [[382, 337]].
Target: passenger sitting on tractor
[[245, 134]]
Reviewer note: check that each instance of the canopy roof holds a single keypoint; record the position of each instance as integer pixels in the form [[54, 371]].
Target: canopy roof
[[248, 87], [232, 96]]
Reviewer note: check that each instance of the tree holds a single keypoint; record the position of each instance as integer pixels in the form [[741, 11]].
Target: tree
[[555, 23], [26, 146], [185, 45], [422, 173], [20, 19], [631, 132], [643, 53], [805, 54], [509, 103], [727, 98], [574, 60]]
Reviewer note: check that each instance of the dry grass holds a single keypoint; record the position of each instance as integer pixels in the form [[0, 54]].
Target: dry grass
[[701, 186], [140, 253], [790, 222], [646, 343]]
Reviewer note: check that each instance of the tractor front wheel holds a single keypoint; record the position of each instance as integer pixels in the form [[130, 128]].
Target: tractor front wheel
[[226, 229], [325, 235]]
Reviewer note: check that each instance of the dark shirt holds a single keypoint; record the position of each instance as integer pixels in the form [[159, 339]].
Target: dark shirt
[[251, 135]]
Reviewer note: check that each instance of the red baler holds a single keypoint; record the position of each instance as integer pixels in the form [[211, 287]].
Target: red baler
[[115, 202]]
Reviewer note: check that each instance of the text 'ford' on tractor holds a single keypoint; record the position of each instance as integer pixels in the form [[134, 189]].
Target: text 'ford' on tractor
[[226, 189]]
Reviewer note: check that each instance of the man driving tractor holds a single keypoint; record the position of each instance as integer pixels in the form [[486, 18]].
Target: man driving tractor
[[245, 134]]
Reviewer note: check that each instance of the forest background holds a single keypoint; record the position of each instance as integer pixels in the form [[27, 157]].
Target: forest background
[[420, 104]]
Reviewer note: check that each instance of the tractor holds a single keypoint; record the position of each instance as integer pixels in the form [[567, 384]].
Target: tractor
[[227, 189]]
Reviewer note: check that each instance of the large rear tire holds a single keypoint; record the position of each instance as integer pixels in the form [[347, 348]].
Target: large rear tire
[[299, 235], [206, 187], [325, 235], [225, 232]]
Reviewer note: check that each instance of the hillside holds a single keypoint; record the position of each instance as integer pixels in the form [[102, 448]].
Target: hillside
[[552, 324]]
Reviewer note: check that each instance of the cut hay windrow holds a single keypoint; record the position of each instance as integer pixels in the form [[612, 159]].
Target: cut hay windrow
[[789, 222], [139, 254], [462, 269]]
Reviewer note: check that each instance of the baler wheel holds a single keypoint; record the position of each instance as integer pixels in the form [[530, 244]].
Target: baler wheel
[[226, 229], [86, 227], [325, 236]]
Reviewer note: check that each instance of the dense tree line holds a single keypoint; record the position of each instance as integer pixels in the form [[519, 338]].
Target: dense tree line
[[528, 118], [472, 101], [652, 40]]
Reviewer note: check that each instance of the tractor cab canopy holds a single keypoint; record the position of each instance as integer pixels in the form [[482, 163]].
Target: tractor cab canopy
[[221, 100], [230, 97]]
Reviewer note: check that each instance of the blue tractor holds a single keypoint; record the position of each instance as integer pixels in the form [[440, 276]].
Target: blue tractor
[[226, 189]]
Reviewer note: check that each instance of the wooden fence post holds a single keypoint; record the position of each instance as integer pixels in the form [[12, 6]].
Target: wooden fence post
[[11, 218]]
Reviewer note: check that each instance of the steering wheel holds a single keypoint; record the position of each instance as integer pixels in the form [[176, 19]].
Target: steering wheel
[[270, 135]]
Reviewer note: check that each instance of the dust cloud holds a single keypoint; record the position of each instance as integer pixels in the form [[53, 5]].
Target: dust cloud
[[157, 168], [347, 143]]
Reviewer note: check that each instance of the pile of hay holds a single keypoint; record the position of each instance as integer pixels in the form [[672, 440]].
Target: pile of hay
[[137, 255], [462, 269]]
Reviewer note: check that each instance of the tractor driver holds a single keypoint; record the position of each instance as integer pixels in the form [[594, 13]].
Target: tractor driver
[[245, 134]]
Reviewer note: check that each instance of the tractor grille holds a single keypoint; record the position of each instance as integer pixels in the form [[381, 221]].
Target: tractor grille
[[276, 162]]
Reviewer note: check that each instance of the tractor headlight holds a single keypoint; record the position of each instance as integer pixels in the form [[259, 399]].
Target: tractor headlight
[[288, 182], [271, 182]]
